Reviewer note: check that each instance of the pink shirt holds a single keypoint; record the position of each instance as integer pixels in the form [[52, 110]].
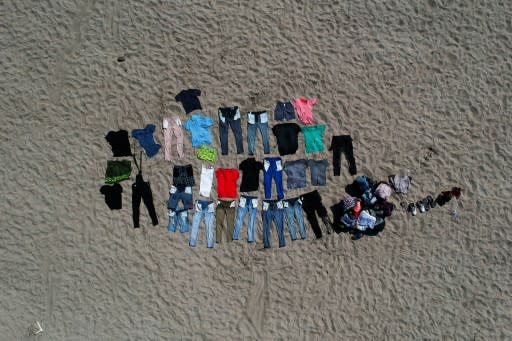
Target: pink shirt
[[303, 107]]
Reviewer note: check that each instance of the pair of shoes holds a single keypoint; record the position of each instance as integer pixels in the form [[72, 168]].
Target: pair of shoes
[[412, 209], [328, 224], [430, 201]]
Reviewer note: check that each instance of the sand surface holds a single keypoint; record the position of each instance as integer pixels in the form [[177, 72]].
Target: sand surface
[[424, 86]]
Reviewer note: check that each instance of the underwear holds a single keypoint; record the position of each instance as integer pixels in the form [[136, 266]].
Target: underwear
[[206, 153]]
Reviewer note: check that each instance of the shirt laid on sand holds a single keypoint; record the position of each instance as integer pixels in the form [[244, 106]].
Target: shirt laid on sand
[[189, 100], [226, 182], [314, 138], [318, 168], [287, 137], [296, 173], [119, 142], [198, 125], [250, 174], [304, 109]]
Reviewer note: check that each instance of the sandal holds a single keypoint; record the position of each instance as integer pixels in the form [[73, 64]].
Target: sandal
[[412, 209]]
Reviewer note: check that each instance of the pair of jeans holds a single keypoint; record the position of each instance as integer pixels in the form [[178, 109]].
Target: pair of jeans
[[178, 218], [257, 120], [176, 195], [339, 144], [293, 210], [142, 190], [312, 205], [230, 117], [204, 210], [246, 205], [273, 169], [273, 211], [225, 219]]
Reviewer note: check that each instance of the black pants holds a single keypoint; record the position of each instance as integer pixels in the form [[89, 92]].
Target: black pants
[[312, 205], [142, 190], [339, 144]]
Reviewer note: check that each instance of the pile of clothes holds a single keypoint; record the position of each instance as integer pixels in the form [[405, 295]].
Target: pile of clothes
[[364, 209]]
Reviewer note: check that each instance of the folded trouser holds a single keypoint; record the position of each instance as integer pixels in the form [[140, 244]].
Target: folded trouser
[[246, 205], [204, 210], [224, 219], [176, 195], [272, 212], [293, 211], [178, 218]]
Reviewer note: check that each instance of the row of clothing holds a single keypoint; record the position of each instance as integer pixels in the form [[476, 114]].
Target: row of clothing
[[229, 216], [284, 110]]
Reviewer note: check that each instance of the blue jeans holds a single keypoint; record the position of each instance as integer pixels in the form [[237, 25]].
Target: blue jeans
[[293, 209], [257, 120], [204, 209], [175, 195], [273, 169], [246, 205], [273, 211], [177, 218]]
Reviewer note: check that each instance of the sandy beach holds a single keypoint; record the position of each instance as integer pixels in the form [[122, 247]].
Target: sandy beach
[[423, 86]]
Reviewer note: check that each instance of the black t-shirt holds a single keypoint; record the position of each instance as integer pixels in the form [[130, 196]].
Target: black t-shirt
[[113, 197], [287, 137], [189, 100], [250, 174], [119, 142]]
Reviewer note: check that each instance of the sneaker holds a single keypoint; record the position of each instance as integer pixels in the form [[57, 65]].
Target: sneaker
[[420, 206], [358, 235], [412, 209]]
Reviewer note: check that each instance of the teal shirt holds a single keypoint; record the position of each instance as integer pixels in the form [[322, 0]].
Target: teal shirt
[[313, 136]]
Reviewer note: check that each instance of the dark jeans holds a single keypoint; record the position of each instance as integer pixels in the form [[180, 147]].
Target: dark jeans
[[273, 211], [312, 205], [142, 190], [230, 117], [339, 144]]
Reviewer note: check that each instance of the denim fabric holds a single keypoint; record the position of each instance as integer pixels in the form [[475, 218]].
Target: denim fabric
[[348, 220], [246, 205], [199, 127], [204, 210], [273, 211], [175, 195], [293, 210], [230, 117], [284, 111], [366, 220], [257, 120], [273, 169], [178, 218]]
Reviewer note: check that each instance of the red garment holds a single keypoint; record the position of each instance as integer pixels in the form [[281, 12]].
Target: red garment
[[226, 182], [357, 209]]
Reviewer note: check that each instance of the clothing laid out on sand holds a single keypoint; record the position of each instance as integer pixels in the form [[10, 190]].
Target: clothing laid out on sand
[[250, 169], [141, 190], [189, 99], [199, 127], [172, 131], [119, 142], [314, 138], [229, 117], [273, 169], [342, 144], [287, 137], [284, 111], [146, 140], [117, 171], [113, 196], [257, 120], [304, 109]]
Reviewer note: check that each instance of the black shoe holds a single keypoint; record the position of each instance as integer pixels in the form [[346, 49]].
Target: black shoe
[[357, 236]]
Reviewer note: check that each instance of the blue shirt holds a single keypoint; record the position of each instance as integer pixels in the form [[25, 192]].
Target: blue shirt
[[198, 125]]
